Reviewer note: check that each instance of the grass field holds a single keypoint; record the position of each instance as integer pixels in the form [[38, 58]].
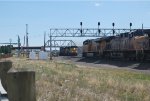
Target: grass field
[[58, 81]]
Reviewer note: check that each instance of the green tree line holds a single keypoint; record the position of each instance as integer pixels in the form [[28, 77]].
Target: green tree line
[[5, 49]]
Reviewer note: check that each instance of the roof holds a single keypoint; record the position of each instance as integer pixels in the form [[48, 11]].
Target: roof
[[141, 32], [108, 38], [124, 34]]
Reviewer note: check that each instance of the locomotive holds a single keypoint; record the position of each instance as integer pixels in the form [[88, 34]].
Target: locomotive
[[90, 48], [68, 51], [130, 45]]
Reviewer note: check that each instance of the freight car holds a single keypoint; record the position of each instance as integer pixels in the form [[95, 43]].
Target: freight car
[[132, 45], [68, 51]]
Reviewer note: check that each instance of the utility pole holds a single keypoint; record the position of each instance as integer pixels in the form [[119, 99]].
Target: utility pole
[[44, 40], [27, 41], [50, 45], [142, 29], [19, 44], [24, 40]]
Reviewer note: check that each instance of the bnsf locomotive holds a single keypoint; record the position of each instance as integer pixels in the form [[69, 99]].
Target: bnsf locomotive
[[132, 45]]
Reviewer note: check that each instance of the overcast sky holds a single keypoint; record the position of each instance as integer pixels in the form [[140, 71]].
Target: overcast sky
[[41, 15]]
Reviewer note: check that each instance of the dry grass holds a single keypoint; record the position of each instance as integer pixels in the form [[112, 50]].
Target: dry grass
[[57, 81]]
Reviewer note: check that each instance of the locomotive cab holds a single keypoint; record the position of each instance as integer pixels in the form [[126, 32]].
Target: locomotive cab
[[90, 48]]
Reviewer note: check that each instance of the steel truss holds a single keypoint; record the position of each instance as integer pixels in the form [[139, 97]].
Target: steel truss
[[87, 32], [76, 32], [59, 43]]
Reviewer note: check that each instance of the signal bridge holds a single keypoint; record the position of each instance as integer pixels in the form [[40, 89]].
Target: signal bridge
[[80, 32], [87, 32]]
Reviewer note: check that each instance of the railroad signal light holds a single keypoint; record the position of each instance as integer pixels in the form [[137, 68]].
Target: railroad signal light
[[81, 23], [98, 28], [130, 24], [98, 23], [113, 24], [81, 28]]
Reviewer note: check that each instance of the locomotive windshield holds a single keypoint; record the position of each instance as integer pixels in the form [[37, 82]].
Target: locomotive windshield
[[85, 42]]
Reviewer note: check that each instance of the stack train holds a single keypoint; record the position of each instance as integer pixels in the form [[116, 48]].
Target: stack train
[[130, 45]]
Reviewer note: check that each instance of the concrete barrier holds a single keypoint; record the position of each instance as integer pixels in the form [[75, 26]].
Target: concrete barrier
[[4, 67], [21, 85]]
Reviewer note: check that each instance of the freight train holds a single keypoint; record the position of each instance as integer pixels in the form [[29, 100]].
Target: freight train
[[68, 51], [131, 45]]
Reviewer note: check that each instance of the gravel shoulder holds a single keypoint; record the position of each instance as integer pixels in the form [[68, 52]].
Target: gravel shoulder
[[143, 67]]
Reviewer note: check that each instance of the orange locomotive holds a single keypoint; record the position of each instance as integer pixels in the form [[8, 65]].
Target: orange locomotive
[[90, 48], [132, 45]]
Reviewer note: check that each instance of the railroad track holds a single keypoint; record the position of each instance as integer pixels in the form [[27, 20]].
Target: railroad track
[[106, 63]]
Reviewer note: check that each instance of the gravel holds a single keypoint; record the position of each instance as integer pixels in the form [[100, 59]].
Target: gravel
[[143, 67]]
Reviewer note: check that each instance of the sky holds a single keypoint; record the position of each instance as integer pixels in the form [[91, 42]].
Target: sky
[[41, 15]]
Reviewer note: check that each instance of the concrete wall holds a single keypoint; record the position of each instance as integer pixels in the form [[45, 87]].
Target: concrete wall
[[4, 67], [21, 85]]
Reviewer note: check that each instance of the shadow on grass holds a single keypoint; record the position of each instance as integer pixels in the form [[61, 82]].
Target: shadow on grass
[[88, 60], [144, 65]]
